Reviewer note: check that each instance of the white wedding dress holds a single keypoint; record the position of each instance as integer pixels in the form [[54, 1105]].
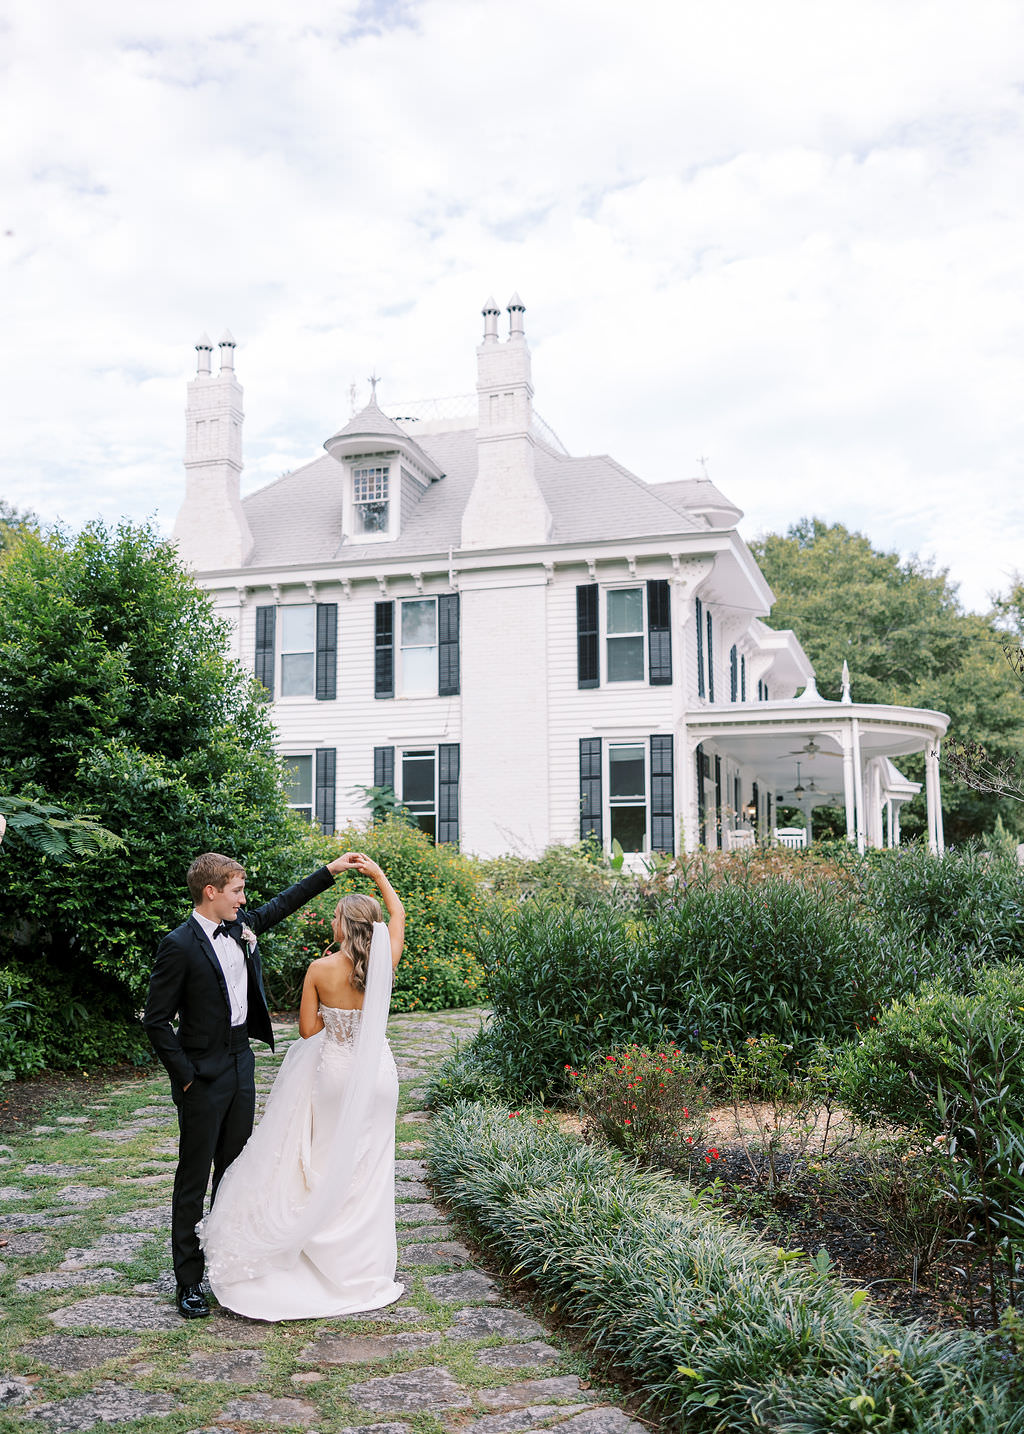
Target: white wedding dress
[[303, 1226]]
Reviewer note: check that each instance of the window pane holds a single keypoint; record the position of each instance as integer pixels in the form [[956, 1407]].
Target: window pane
[[428, 822], [298, 628], [625, 659], [625, 610], [626, 772], [296, 674], [419, 622], [373, 517], [629, 827], [298, 780], [419, 671], [418, 779]]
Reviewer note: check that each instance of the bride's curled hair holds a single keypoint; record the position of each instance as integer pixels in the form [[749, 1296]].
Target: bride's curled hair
[[353, 928]]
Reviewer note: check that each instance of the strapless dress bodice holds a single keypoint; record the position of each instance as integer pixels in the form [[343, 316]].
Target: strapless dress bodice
[[340, 1025]]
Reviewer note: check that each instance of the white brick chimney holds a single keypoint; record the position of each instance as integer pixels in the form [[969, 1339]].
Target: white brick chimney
[[211, 529], [506, 507]]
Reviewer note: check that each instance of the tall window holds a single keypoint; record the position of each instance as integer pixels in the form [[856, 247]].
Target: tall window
[[625, 634], [298, 649], [419, 788], [370, 496], [627, 794], [419, 647], [298, 785]]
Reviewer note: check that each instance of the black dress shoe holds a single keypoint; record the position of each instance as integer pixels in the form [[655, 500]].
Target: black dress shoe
[[191, 1302]]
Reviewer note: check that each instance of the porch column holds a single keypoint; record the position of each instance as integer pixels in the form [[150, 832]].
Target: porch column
[[848, 800], [858, 783], [933, 797], [889, 826], [686, 789]]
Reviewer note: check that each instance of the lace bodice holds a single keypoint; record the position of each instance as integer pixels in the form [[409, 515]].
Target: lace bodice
[[341, 1025]]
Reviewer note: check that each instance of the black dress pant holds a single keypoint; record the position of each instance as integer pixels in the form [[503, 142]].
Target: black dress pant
[[214, 1122]]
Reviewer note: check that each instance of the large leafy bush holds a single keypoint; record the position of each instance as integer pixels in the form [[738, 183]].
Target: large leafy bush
[[892, 1074], [117, 698], [445, 915], [714, 965]]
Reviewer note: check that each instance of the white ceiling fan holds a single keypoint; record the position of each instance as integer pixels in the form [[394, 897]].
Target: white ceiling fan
[[810, 748]]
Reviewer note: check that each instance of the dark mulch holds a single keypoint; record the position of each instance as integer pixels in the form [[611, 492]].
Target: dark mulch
[[24, 1103], [940, 1293]]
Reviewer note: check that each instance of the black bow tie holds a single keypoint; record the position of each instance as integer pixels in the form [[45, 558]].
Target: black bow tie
[[223, 930]]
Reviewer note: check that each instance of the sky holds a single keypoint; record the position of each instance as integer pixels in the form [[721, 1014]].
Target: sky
[[782, 244]]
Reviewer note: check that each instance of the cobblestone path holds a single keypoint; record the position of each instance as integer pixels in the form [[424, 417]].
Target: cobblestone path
[[89, 1337]]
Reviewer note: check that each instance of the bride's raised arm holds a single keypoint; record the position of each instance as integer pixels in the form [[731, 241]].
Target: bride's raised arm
[[392, 901]]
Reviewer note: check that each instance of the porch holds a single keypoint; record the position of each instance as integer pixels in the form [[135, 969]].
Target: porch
[[745, 760]]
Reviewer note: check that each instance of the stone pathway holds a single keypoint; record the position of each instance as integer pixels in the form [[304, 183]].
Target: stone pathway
[[89, 1337]]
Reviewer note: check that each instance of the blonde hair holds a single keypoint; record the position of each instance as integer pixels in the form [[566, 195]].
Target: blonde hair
[[355, 915]]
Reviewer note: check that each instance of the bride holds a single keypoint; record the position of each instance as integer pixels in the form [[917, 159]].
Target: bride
[[304, 1222]]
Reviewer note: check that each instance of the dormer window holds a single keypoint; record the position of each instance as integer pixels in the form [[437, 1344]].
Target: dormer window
[[370, 498]]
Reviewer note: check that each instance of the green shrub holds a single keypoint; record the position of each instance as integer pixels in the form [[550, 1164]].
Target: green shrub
[[891, 1075], [461, 1076], [963, 902], [444, 914], [718, 1330], [577, 871], [653, 1104], [70, 1021], [715, 965]]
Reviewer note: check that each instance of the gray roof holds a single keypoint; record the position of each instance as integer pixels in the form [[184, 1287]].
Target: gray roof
[[372, 422], [297, 519]]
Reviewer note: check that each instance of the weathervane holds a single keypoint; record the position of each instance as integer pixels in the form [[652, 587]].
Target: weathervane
[[704, 465], [373, 381]]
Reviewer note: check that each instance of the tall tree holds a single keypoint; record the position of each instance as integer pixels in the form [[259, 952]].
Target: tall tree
[[14, 524], [117, 699], [902, 629]]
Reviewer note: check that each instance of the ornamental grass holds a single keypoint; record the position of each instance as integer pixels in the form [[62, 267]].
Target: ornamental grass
[[717, 1330]]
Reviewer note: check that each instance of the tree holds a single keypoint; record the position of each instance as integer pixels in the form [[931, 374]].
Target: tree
[[14, 524], [117, 699], [900, 626]]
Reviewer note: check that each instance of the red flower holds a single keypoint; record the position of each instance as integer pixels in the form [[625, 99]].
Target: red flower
[[512, 1114]]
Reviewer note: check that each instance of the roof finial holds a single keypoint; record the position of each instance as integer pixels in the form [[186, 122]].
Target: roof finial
[[846, 682], [373, 381], [704, 467]]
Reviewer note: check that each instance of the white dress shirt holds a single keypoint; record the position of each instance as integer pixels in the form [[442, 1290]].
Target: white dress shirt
[[232, 963]]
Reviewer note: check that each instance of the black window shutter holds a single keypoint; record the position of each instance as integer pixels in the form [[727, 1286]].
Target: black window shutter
[[699, 609], [663, 833], [755, 802], [588, 670], [448, 792], [324, 794], [266, 620], [326, 651], [384, 767], [702, 811], [718, 797], [590, 789], [384, 649], [711, 663], [743, 677], [659, 632], [734, 674], [448, 645]]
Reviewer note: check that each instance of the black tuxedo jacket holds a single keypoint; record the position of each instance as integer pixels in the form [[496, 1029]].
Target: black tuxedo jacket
[[187, 982]]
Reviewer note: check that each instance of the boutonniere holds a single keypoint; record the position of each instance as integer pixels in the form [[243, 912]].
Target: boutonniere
[[249, 937]]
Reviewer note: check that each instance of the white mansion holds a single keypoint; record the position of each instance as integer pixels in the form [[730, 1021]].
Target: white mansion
[[527, 646]]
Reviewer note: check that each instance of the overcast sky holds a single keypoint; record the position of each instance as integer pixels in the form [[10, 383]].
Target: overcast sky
[[786, 237]]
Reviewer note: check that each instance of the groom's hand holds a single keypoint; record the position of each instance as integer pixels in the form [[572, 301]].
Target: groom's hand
[[342, 863]]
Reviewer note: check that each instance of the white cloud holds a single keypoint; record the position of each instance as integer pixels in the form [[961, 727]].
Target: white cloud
[[785, 236]]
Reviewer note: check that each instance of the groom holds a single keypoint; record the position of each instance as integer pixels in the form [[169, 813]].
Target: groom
[[208, 973]]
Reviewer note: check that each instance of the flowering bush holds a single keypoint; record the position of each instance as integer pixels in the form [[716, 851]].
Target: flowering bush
[[445, 915], [650, 1102]]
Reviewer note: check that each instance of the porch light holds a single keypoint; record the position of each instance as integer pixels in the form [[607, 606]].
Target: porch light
[[798, 790]]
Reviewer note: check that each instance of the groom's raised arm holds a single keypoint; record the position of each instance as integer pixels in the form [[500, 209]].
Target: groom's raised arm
[[261, 918]]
